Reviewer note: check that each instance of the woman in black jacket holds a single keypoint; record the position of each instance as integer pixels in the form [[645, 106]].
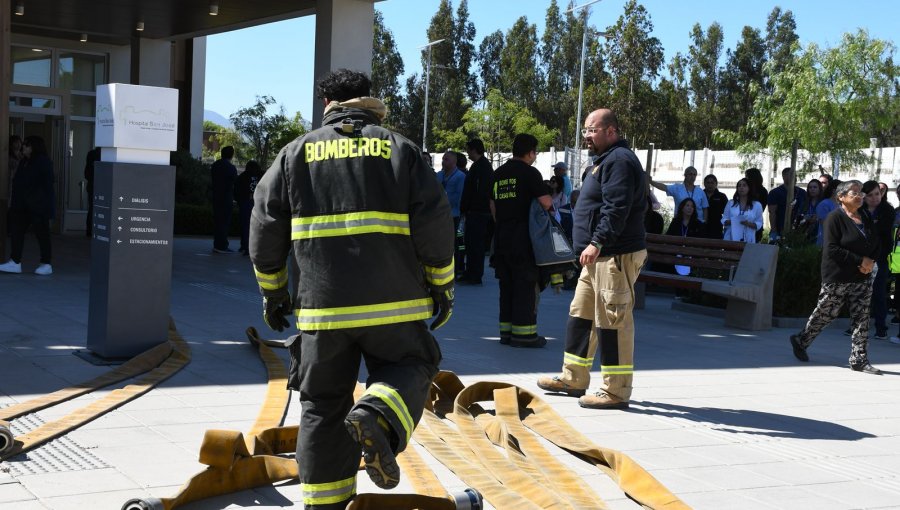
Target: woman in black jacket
[[685, 223], [848, 264], [31, 205], [881, 215]]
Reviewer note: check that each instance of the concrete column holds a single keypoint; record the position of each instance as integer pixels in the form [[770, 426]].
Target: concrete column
[[5, 80], [344, 33], [188, 69], [198, 91]]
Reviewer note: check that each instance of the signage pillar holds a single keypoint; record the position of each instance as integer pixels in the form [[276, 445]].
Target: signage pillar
[[134, 202]]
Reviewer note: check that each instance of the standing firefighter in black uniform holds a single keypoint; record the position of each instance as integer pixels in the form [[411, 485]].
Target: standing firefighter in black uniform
[[372, 235], [516, 183]]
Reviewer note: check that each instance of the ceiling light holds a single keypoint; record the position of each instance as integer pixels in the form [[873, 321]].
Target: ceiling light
[[20, 8], [140, 26], [214, 8], [83, 38]]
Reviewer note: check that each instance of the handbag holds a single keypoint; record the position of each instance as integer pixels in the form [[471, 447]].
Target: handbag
[[548, 239]]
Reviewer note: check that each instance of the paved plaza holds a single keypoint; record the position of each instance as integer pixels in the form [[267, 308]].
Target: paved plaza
[[726, 419]]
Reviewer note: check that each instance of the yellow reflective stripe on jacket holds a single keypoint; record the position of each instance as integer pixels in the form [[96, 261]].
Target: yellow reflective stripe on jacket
[[556, 278], [313, 319], [571, 359], [334, 225], [617, 369], [439, 275], [393, 400], [328, 493], [531, 329], [272, 281]]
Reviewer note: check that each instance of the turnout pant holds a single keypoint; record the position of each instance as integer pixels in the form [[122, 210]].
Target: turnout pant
[[601, 316], [519, 294], [401, 360], [475, 241], [459, 247], [831, 297]]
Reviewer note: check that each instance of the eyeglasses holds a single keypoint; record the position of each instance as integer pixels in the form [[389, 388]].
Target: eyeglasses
[[590, 130], [854, 194]]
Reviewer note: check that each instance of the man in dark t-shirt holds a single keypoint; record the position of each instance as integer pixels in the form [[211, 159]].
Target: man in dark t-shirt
[[515, 184], [777, 201]]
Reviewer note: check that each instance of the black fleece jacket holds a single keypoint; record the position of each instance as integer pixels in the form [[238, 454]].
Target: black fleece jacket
[[845, 246], [612, 203]]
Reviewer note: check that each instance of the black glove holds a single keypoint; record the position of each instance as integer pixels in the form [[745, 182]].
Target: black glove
[[276, 305], [443, 306]]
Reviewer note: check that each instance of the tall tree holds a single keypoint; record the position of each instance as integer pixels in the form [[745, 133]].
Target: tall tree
[[465, 50], [518, 59], [489, 66], [742, 79], [411, 110], [635, 59], [447, 84], [677, 95], [387, 68], [781, 36], [560, 55], [703, 57]]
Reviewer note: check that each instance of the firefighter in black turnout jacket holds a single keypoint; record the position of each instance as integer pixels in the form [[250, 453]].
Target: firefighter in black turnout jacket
[[372, 235]]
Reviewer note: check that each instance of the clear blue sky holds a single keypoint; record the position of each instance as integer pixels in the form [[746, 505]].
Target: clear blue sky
[[277, 59]]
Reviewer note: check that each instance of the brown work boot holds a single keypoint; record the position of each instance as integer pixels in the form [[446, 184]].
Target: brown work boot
[[602, 400], [557, 385]]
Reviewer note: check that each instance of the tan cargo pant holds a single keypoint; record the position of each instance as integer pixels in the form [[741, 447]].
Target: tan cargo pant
[[605, 296]]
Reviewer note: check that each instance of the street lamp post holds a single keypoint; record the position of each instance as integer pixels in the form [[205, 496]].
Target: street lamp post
[[427, 83], [577, 164]]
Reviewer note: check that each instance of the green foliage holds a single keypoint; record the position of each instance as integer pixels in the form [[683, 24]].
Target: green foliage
[[192, 178], [703, 57], [797, 279], [224, 137], [498, 122], [293, 129], [450, 60], [387, 68], [742, 78], [489, 69], [262, 129], [635, 59], [518, 60], [830, 101]]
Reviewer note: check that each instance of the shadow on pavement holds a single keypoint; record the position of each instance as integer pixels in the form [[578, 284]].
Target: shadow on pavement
[[741, 421]]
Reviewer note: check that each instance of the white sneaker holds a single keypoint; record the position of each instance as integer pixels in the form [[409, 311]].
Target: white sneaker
[[10, 267], [44, 270], [895, 340]]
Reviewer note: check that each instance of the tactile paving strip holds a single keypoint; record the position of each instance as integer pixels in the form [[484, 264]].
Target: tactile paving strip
[[232, 292], [57, 456]]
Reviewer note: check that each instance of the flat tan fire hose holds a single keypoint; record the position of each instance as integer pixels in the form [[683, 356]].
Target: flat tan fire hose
[[524, 475], [509, 482], [158, 363]]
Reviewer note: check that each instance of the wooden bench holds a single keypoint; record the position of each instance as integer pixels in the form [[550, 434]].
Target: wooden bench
[[744, 273]]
